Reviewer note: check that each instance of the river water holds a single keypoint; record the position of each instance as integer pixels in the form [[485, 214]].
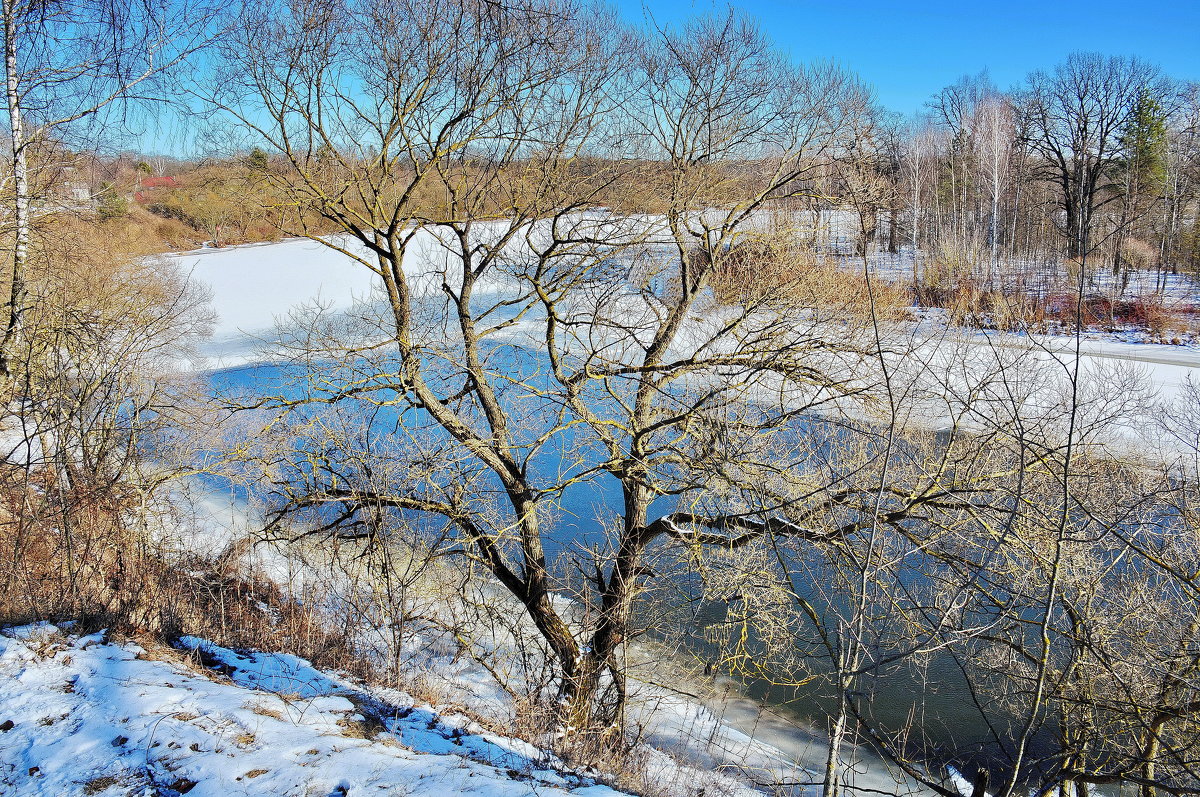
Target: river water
[[933, 698]]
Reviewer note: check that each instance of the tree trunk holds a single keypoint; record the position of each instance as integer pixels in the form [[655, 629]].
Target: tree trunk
[[14, 305], [1074, 246], [893, 237], [617, 591], [979, 786], [832, 782], [1148, 768], [994, 228]]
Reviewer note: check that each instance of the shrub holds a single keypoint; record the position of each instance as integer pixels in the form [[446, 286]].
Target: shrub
[[790, 276], [112, 206], [1137, 254]]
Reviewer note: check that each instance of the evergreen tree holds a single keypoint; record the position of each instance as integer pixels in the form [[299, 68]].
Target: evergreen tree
[[257, 161], [1145, 143]]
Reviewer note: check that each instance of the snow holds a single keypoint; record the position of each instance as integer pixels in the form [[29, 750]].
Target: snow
[[258, 288], [254, 286], [85, 715], [19, 444]]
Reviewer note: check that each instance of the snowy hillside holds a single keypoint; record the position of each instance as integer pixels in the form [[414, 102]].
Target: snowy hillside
[[83, 715]]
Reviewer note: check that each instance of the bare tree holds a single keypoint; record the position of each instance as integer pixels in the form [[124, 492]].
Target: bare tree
[[443, 143], [401, 119], [65, 65], [1075, 116], [1182, 173], [995, 138]]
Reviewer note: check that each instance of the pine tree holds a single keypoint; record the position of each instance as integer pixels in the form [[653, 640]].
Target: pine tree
[[1145, 142], [1143, 166], [257, 161]]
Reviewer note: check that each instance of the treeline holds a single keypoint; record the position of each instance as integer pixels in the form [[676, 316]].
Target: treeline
[[1098, 156]]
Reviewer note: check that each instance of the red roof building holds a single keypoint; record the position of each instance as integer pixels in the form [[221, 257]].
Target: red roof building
[[145, 188]]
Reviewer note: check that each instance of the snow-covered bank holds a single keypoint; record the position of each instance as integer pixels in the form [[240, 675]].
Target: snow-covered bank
[[83, 715], [256, 286]]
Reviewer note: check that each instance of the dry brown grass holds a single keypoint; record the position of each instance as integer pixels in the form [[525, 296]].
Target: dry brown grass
[[140, 232], [105, 574], [102, 783], [956, 283], [766, 271]]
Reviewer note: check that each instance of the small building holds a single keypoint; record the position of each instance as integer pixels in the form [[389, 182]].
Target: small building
[[78, 192]]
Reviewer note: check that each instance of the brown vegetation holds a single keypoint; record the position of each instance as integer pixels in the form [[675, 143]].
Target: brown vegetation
[[786, 274], [78, 555]]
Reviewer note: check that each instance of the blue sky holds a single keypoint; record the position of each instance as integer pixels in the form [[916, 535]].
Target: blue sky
[[909, 51]]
